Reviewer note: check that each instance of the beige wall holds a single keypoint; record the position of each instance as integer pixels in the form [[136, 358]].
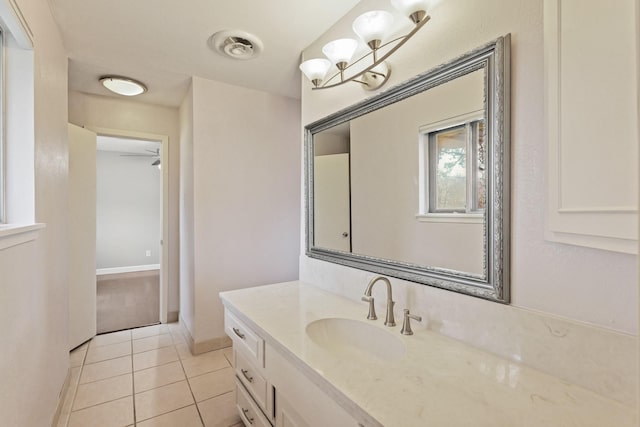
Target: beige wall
[[94, 111], [582, 284], [33, 287], [246, 151], [127, 210], [187, 281]]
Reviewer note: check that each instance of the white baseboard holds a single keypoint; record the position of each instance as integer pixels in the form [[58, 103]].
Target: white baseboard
[[203, 346], [130, 269], [61, 401]]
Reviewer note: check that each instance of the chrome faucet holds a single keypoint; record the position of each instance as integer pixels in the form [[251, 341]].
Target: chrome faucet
[[389, 321]]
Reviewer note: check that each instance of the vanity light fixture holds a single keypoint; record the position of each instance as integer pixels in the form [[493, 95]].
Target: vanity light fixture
[[372, 27], [123, 85]]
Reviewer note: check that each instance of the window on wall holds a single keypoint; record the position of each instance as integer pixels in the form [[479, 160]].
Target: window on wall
[[3, 218], [17, 141], [452, 169]]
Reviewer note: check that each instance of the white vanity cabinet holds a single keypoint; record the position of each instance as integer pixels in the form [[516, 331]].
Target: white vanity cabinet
[[271, 391]]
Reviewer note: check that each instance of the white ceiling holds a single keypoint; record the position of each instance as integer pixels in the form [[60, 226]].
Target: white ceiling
[[164, 42]]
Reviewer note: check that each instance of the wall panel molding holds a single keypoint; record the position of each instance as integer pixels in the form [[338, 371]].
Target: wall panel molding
[[591, 117]]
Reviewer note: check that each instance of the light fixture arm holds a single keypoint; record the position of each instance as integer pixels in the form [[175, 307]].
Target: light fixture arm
[[376, 62]]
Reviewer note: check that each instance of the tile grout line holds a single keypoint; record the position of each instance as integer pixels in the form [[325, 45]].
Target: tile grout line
[[101, 403], [165, 413], [190, 390], [105, 378], [175, 382], [210, 372], [160, 386], [133, 384], [92, 382], [156, 366], [109, 358], [131, 347], [112, 343]]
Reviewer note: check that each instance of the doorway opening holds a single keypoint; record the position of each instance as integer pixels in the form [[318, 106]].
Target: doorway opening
[[130, 254]]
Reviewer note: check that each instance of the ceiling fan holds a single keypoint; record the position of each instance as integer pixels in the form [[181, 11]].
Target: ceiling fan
[[151, 153]]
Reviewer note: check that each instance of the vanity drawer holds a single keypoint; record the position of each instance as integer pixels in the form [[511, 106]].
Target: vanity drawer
[[248, 410], [250, 377], [243, 337]]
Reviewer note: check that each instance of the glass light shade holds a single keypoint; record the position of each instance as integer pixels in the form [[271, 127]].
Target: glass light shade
[[123, 85], [409, 7], [315, 69], [340, 50], [373, 25]]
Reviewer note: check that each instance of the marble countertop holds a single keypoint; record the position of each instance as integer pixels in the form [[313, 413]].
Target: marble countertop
[[439, 381]]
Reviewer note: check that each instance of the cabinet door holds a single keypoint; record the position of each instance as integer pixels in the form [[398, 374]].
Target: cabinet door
[[251, 378], [286, 415], [591, 80], [249, 412], [244, 337], [298, 401]]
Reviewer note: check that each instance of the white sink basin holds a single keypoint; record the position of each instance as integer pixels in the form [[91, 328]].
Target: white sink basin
[[353, 339]]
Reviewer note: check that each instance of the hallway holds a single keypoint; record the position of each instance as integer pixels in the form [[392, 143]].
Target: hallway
[[147, 377]]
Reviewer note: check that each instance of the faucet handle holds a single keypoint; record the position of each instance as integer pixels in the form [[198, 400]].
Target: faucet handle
[[372, 308], [406, 324]]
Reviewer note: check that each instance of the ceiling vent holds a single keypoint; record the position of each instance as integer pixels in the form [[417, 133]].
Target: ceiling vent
[[236, 44]]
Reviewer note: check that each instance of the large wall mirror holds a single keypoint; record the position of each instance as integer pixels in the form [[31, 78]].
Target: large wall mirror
[[414, 182]]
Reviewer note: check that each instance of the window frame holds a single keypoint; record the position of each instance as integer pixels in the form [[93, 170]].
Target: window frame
[[3, 165], [434, 160], [17, 216], [427, 173]]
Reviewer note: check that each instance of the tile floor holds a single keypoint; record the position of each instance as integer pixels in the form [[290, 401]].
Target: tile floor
[[147, 377]]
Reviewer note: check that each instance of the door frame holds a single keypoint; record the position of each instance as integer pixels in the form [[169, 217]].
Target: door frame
[[165, 238], [82, 236]]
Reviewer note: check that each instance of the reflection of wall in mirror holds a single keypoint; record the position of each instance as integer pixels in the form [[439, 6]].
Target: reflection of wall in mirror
[[332, 211], [384, 181], [332, 141]]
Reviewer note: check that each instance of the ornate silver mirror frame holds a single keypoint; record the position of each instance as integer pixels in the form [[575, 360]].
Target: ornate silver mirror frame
[[494, 58]]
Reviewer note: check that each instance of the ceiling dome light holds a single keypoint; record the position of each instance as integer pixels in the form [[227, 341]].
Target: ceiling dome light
[[236, 44], [123, 85]]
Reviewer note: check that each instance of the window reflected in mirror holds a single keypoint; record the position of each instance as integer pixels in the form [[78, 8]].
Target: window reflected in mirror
[[456, 169]]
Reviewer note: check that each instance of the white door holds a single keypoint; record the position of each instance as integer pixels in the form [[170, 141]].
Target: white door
[[332, 207], [82, 235]]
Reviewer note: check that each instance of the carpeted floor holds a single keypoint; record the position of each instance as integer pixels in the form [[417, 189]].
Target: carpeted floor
[[128, 300]]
